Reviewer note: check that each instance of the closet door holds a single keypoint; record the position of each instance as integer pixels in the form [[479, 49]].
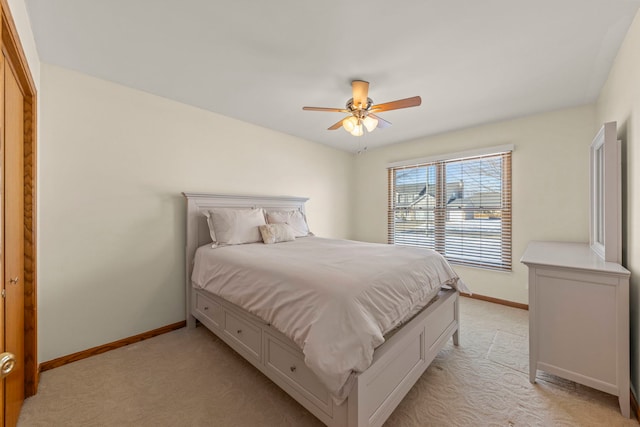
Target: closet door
[[14, 228], [2, 251], [18, 230]]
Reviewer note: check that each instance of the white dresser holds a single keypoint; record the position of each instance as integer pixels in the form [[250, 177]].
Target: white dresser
[[579, 317]]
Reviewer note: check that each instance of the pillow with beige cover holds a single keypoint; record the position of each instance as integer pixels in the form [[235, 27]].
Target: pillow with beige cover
[[294, 218], [276, 233]]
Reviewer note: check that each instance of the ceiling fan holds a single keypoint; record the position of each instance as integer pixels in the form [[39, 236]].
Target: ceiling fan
[[362, 112]]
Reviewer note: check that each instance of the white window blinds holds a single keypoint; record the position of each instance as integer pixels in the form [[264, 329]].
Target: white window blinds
[[459, 207]]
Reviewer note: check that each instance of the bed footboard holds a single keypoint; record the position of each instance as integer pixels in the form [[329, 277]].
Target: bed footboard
[[396, 366], [401, 361]]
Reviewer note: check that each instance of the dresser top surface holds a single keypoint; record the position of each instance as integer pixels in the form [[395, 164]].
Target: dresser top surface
[[568, 255]]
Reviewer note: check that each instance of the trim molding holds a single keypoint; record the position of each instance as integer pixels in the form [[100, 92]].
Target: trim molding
[[496, 301], [60, 361], [451, 156]]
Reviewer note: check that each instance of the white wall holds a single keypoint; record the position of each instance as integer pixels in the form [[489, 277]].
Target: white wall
[[620, 101], [113, 163], [550, 186]]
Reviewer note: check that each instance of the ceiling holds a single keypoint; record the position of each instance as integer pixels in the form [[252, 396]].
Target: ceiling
[[258, 61]]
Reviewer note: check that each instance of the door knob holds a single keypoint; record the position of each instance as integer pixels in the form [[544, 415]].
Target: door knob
[[7, 363], [14, 280]]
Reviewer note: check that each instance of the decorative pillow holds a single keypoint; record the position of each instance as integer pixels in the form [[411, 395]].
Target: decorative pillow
[[276, 233], [236, 226], [294, 218]]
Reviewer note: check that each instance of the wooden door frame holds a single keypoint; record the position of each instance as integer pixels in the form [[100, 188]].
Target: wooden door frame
[[16, 59]]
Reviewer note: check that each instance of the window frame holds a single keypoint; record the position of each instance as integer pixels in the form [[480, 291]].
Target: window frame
[[441, 209]]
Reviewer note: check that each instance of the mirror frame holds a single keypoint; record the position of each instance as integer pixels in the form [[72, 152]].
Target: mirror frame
[[605, 221]]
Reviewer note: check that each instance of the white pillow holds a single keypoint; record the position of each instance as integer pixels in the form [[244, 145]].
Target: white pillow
[[212, 231], [236, 226], [294, 218], [276, 233]]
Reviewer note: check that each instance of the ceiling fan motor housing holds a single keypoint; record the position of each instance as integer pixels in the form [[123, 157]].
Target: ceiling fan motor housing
[[359, 111]]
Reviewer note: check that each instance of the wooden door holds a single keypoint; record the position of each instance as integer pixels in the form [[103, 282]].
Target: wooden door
[[13, 242], [2, 172], [18, 224]]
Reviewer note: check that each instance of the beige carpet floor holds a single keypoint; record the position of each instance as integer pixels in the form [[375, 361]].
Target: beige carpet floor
[[191, 378]]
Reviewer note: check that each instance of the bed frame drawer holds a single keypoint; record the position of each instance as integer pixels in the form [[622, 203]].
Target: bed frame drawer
[[288, 365], [210, 311], [440, 323], [245, 335]]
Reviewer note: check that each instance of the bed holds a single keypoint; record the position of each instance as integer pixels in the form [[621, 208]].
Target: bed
[[367, 397]]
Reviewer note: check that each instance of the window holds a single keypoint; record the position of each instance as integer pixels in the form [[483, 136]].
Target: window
[[459, 205]]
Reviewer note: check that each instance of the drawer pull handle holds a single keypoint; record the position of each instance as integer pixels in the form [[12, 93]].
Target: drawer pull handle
[[206, 308], [239, 331], [293, 368]]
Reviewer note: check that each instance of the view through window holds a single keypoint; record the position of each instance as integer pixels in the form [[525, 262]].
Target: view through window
[[459, 207]]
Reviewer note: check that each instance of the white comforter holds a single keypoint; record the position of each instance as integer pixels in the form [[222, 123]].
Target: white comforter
[[334, 298]]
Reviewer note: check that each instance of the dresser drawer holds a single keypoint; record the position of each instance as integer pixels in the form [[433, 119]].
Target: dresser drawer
[[210, 310], [288, 364], [247, 336]]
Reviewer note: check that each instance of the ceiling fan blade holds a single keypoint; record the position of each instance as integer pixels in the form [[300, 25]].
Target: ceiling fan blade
[[395, 105], [382, 123], [333, 110], [360, 93], [337, 125]]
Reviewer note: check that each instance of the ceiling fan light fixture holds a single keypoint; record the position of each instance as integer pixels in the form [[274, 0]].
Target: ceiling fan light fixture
[[357, 130], [349, 124], [370, 123]]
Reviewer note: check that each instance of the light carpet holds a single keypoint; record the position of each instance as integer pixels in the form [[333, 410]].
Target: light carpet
[[191, 378]]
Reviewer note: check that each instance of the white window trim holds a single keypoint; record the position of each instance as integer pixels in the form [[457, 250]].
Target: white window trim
[[487, 151]]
